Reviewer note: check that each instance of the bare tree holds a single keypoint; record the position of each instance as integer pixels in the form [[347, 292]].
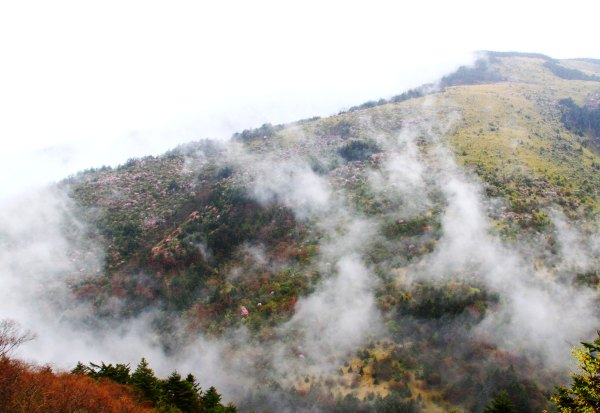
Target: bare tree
[[11, 337]]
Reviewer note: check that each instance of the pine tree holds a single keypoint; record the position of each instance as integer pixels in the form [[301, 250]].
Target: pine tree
[[143, 379], [81, 369], [192, 380], [211, 400], [118, 373], [181, 394], [501, 404]]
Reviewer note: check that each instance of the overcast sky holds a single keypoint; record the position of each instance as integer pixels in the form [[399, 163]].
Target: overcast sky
[[85, 83]]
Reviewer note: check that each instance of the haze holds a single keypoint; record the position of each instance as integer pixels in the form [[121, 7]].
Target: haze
[[88, 84]]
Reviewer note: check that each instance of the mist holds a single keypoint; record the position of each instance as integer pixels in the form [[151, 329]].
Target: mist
[[78, 95], [47, 247], [86, 96]]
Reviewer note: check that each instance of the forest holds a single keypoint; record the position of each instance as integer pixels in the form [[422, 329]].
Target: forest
[[433, 251]]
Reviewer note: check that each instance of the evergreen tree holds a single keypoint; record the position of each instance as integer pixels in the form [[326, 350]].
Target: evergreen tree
[[192, 380], [81, 369], [118, 373], [211, 403], [501, 404], [181, 394], [172, 395], [211, 400], [143, 379]]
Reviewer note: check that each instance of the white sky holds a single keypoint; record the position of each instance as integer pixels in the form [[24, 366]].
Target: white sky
[[85, 83]]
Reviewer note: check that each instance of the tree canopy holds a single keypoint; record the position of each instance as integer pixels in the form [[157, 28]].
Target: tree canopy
[[584, 393]]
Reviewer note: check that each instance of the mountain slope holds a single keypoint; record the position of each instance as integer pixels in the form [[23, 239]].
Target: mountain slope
[[415, 253]]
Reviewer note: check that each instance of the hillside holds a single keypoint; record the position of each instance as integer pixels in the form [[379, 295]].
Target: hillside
[[418, 253]]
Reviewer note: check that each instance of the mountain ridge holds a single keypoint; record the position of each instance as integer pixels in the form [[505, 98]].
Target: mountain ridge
[[414, 252]]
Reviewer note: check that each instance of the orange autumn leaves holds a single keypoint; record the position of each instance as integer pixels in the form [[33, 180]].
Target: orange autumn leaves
[[27, 389]]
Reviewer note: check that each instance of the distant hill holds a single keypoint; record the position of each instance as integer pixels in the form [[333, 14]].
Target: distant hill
[[417, 253]]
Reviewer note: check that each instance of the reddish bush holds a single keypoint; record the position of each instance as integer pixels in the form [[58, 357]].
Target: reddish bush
[[26, 389]]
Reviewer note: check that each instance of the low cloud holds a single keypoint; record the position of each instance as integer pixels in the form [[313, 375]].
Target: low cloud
[[45, 248]]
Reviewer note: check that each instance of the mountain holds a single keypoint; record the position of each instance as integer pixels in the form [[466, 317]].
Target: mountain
[[420, 253]]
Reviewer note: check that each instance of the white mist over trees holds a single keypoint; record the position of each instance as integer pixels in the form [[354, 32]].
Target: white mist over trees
[[392, 210], [46, 245]]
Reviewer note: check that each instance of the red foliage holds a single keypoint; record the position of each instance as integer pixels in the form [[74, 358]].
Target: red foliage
[[144, 291], [289, 304], [36, 390], [252, 284], [87, 291], [118, 290], [199, 317]]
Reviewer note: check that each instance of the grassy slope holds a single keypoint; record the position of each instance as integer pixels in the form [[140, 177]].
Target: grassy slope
[[513, 130], [510, 135]]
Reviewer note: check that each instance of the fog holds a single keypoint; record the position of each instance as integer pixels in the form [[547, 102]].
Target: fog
[[111, 85], [91, 85], [45, 247]]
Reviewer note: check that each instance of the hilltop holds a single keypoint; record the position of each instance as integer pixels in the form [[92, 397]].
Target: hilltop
[[417, 253]]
